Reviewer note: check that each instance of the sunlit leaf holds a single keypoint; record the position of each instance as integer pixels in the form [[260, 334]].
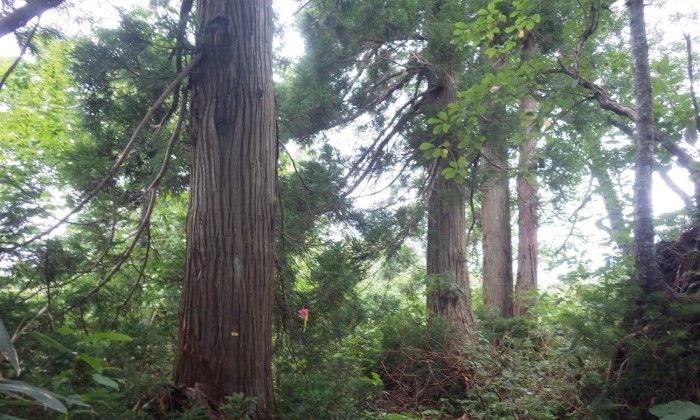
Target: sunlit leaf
[[43, 396], [106, 336], [7, 348], [103, 380]]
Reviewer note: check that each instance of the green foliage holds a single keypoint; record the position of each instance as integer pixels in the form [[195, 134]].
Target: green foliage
[[11, 387], [326, 395], [676, 410], [367, 351], [498, 31], [238, 406], [40, 395], [517, 368]]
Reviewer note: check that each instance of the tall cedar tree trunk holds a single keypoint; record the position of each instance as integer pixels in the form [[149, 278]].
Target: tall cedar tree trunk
[[447, 237], [495, 226], [225, 331], [527, 208], [648, 273], [495, 212]]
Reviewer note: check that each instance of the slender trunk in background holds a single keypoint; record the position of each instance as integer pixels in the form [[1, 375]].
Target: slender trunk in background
[[225, 329], [449, 295], [613, 206], [496, 243], [648, 273], [526, 279], [495, 224]]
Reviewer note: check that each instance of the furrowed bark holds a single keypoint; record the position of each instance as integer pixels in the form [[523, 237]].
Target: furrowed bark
[[225, 332]]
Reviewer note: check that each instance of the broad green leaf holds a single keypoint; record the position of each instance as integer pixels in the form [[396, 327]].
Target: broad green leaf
[[426, 146], [106, 336], [7, 348], [65, 331], [676, 410], [94, 362], [442, 115], [103, 380], [50, 342], [43, 396]]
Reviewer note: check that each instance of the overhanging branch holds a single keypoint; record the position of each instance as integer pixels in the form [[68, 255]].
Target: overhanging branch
[[19, 17]]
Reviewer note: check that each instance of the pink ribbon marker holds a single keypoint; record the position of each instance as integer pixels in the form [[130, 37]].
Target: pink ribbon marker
[[304, 314]]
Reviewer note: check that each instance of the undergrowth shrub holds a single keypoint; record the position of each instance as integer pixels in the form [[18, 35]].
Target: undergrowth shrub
[[325, 395], [658, 361], [654, 359], [337, 382], [515, 368]]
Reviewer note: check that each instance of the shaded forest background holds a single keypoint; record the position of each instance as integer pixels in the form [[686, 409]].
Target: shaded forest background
[[456, 228]]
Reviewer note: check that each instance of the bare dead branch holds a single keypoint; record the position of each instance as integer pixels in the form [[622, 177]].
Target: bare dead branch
[[381, 145], [663, 173]]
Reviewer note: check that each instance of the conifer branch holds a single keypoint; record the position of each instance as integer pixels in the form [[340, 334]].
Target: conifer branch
[[121, 157], [151, 193]]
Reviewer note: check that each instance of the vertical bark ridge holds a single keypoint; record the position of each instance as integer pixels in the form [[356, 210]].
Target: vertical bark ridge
[[225, 333], [495, 226], [450, 294], [648, 272], [527, 208]]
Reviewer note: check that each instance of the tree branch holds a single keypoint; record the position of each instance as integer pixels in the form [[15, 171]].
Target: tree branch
[[19, 17], [151, 192], [21, 54], [122, 156], [663, 173]]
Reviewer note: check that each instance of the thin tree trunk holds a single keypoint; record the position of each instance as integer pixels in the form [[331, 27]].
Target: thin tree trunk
[[613, 206], [225, 330], [495, 226], [648, 273], [496, 243], [526, 279], [449, 295]]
